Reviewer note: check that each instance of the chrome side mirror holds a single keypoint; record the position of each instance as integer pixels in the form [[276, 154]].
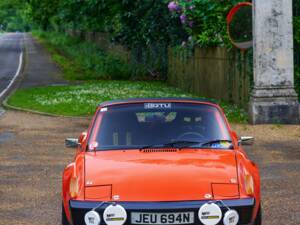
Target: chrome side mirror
[[71, 143], [246, 140]]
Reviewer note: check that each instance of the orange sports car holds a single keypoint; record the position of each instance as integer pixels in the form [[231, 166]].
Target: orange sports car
[[160, 161]]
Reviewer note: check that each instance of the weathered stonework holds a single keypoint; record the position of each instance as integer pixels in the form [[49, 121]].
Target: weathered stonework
[[273, 99]]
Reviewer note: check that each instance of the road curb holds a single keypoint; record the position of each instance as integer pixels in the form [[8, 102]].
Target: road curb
[[7, 106], [19, 76]]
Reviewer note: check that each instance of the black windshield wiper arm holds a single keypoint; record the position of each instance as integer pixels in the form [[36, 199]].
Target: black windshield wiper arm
[[186, 143], [173, 144]]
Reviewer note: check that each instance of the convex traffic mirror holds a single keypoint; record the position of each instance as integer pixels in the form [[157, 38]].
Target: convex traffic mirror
[[239, 25]]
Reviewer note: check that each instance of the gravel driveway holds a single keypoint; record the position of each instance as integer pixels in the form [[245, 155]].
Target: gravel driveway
[[32, 157]]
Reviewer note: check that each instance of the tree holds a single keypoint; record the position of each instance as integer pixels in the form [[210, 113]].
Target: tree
[[12, 16], [142, 22], [87, 15], [41, 12]]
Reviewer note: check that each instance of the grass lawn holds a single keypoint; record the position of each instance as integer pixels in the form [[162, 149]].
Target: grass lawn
[[81, 100]]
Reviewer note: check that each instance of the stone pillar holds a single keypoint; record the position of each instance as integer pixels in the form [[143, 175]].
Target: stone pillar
[[273, 99]]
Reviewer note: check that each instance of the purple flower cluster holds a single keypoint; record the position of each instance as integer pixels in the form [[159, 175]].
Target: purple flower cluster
[[185, 21], [185, 14], [173, 6], [183, 18]]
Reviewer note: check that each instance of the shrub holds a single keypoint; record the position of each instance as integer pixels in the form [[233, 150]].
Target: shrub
[[203, 20], [88, 61]]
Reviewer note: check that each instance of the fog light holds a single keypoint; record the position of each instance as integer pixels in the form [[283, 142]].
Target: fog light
[[115, 215], [92, 218], [231, 217], [210, 214]]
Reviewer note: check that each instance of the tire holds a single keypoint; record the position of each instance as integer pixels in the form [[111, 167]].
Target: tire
[[64, 220], [258, 220]]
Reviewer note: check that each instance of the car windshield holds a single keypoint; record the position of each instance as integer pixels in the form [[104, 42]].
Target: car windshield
[[147, 125]]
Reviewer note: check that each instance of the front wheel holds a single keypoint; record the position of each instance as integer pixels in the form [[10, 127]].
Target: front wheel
[[258, 217], [64, 220]]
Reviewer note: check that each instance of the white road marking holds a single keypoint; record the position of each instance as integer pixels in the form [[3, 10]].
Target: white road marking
[[3, 38], [15, 76]]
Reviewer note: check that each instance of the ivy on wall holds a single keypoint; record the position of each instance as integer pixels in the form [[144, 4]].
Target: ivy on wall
[[296, 21]]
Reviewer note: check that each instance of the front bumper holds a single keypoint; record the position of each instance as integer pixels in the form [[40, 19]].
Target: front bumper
[[244, 207]]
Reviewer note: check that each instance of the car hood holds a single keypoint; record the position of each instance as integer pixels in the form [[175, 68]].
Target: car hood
[[161, 175]]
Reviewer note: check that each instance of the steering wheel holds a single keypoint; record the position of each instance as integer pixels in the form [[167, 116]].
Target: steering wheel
[[194, 135]]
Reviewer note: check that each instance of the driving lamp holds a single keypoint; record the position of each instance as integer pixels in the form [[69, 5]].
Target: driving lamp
[[74, 187], [210, 214], [92, 218], [114, 214], [231, 217], [249, 184]]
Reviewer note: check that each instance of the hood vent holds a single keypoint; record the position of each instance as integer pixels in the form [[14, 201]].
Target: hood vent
[[160, 150]]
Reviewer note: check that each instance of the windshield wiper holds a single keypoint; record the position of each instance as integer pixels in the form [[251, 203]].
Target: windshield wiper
[[217, 141], [187, 143], [173, 144]]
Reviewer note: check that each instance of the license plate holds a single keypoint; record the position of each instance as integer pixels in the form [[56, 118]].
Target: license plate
[[162, 218]]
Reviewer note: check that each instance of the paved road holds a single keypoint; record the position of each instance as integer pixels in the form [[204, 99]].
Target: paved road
[[10, 50], [40, 69]]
